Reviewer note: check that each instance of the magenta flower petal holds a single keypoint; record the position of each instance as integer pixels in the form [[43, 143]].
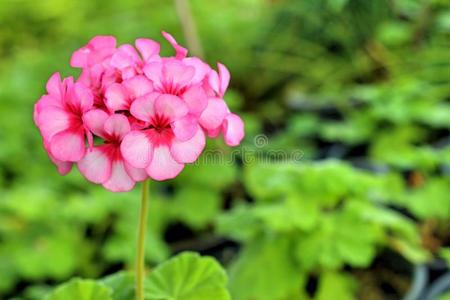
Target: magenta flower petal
[[185, 128], [171, 107], [98, 49], [80, 58], [137, 149], [54, 86], [94, 120], [135, 173], [219, 81], [138, 86], [188, 151], [68, 145], [201, 69], [80, 97], [175, 71], [102, 42], [96, 165], [148, 48], [214, 114], [124, 57], [233, 130], [143, 107], [213, 133], [119, 181], [63, 167], [180, 51], [196, 99], [52, 120], [117, 126], [153, 71], [116, 97], [224, 78], [163, 166]]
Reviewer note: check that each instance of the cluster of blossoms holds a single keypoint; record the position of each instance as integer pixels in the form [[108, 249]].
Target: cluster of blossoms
[[133, 114]]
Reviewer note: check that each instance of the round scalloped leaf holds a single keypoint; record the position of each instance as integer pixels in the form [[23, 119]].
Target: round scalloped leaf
[[122, 284], [187, 276], [81, 289]]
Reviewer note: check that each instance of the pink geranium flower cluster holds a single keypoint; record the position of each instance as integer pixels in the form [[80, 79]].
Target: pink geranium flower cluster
[[133, 114]]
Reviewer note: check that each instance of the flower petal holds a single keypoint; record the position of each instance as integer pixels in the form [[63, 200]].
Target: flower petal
[[176, 72], [79, 58], [163, 166], [63, 167], [213, 81], [153, 71], [117, 126], [143, 108], [138, 86], [135, 173], [52, 120], [201, 69], [188, 151], [213, 115], [233, 130], [148, 48], [137, 149], [82, 97], [196, 99], [224, 76], [119, 181], [185, 128], [171, 107], [125, 56], [181, 52], [116, 98], [68, 145], [98, 48], [96, 165], [213, 133], [102, 41], [54, 86], [94, 120]]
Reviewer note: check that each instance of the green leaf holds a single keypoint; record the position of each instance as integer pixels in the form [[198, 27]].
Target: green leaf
[[122, 285], [445, 296], [187, 276], [431, 199], [81, 289], [445, 254], [336, 286], [265, 270], [240, 223], [341, 238], [196, 206]]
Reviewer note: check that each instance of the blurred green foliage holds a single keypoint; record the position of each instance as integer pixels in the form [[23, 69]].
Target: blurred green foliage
[[361, 88]]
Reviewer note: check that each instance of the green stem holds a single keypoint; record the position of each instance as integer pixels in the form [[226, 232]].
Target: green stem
[[140, 257]]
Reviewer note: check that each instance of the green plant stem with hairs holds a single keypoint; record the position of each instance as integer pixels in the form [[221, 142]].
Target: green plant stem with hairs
[[140, 256]]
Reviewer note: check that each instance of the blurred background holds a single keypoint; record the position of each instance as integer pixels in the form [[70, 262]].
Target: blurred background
[[340, 189]]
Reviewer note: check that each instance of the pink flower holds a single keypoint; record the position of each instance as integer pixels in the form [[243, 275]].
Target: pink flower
[[130, 62], [149, 112], [58, 116], [104, 163], [99, 50], [180, 76], [162, 147], [119, 96], [217, 118]]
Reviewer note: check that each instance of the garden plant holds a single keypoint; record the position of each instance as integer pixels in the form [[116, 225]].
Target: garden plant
[[339, 188]]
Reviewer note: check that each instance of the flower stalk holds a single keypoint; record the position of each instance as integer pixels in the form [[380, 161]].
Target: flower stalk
[[140, 256]]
